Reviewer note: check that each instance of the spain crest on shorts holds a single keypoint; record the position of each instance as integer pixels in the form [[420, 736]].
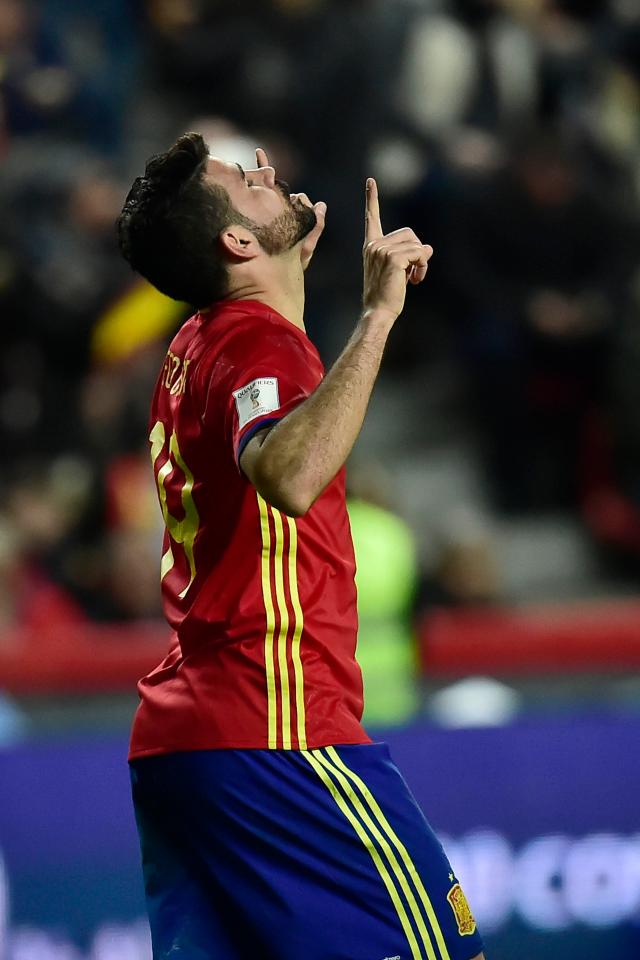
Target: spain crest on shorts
[[461, 911]]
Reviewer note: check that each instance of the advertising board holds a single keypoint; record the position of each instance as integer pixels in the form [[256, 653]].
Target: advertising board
[[541, 820]]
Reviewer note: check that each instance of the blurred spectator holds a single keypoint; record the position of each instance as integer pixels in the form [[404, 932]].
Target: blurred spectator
[[318, 74], [66, 70], [396, 588], [531, 299], [611, 489], [72, 548], [135, 538], [37, 89], [42, 508], [538, 261], [64, 272], [465, 570], [387, 579]]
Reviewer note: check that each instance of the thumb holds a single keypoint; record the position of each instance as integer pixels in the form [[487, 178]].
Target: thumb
[[321, 211]]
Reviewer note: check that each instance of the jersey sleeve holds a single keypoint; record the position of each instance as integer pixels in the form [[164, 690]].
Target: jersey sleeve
[[257, 379]]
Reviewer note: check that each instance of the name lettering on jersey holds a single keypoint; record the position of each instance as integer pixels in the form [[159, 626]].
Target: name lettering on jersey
[[255, 399], [174, 374]]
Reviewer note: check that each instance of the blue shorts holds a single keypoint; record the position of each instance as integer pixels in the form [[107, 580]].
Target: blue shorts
[[294, 855]]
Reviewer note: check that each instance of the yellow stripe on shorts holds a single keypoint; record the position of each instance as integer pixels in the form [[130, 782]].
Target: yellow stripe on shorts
[[316, 760], [400, 847], [389, 853]]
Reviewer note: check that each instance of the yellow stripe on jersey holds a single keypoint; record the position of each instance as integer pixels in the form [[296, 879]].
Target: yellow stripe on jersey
[[281, 643], [297, 634], [274, 558], [271, 623], [319, 764], [373, 827], [166, 564], [400, 847]]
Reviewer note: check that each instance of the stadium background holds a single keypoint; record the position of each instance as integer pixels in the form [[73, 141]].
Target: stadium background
[[495, 492]]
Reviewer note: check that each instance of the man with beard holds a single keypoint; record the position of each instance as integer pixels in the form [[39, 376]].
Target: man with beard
[[270, 825]]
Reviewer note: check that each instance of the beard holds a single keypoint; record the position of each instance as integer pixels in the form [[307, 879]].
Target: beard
[[289, 228]]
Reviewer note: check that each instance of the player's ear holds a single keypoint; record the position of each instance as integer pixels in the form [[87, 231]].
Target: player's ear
[[239, 243]]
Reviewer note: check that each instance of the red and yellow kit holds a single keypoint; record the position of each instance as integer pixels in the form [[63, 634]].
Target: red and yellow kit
[[262, 606]]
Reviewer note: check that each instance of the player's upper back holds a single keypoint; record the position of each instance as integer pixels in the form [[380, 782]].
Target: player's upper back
[[257, 599]]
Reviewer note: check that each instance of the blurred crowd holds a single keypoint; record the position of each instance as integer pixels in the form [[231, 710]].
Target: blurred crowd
[[506, 132]]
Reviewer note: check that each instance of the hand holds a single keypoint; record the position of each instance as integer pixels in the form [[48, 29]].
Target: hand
[[390, 262], [310, 242]]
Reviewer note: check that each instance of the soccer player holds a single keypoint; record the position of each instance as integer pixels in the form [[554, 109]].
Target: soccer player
[[271, 827]]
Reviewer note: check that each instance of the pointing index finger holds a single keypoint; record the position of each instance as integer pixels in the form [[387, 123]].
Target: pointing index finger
[[262, 158], [372, 224]]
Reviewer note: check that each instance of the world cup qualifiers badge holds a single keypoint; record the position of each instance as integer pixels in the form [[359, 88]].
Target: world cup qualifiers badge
[[256, 398], [461, 911]]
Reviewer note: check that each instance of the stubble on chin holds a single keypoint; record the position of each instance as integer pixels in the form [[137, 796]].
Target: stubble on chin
[[288, 229]]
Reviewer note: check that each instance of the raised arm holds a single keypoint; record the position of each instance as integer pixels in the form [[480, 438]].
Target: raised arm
[[292, 463]]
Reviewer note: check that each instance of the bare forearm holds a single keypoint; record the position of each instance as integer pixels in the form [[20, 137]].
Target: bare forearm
[[303, 453], [292, 464]]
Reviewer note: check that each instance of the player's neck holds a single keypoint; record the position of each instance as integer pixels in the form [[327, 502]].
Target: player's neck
[[281, 288]]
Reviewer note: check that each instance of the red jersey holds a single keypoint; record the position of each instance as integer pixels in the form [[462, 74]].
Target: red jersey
[[262, 606]]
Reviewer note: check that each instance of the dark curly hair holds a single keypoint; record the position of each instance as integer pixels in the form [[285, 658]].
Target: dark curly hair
[[169, 226]]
